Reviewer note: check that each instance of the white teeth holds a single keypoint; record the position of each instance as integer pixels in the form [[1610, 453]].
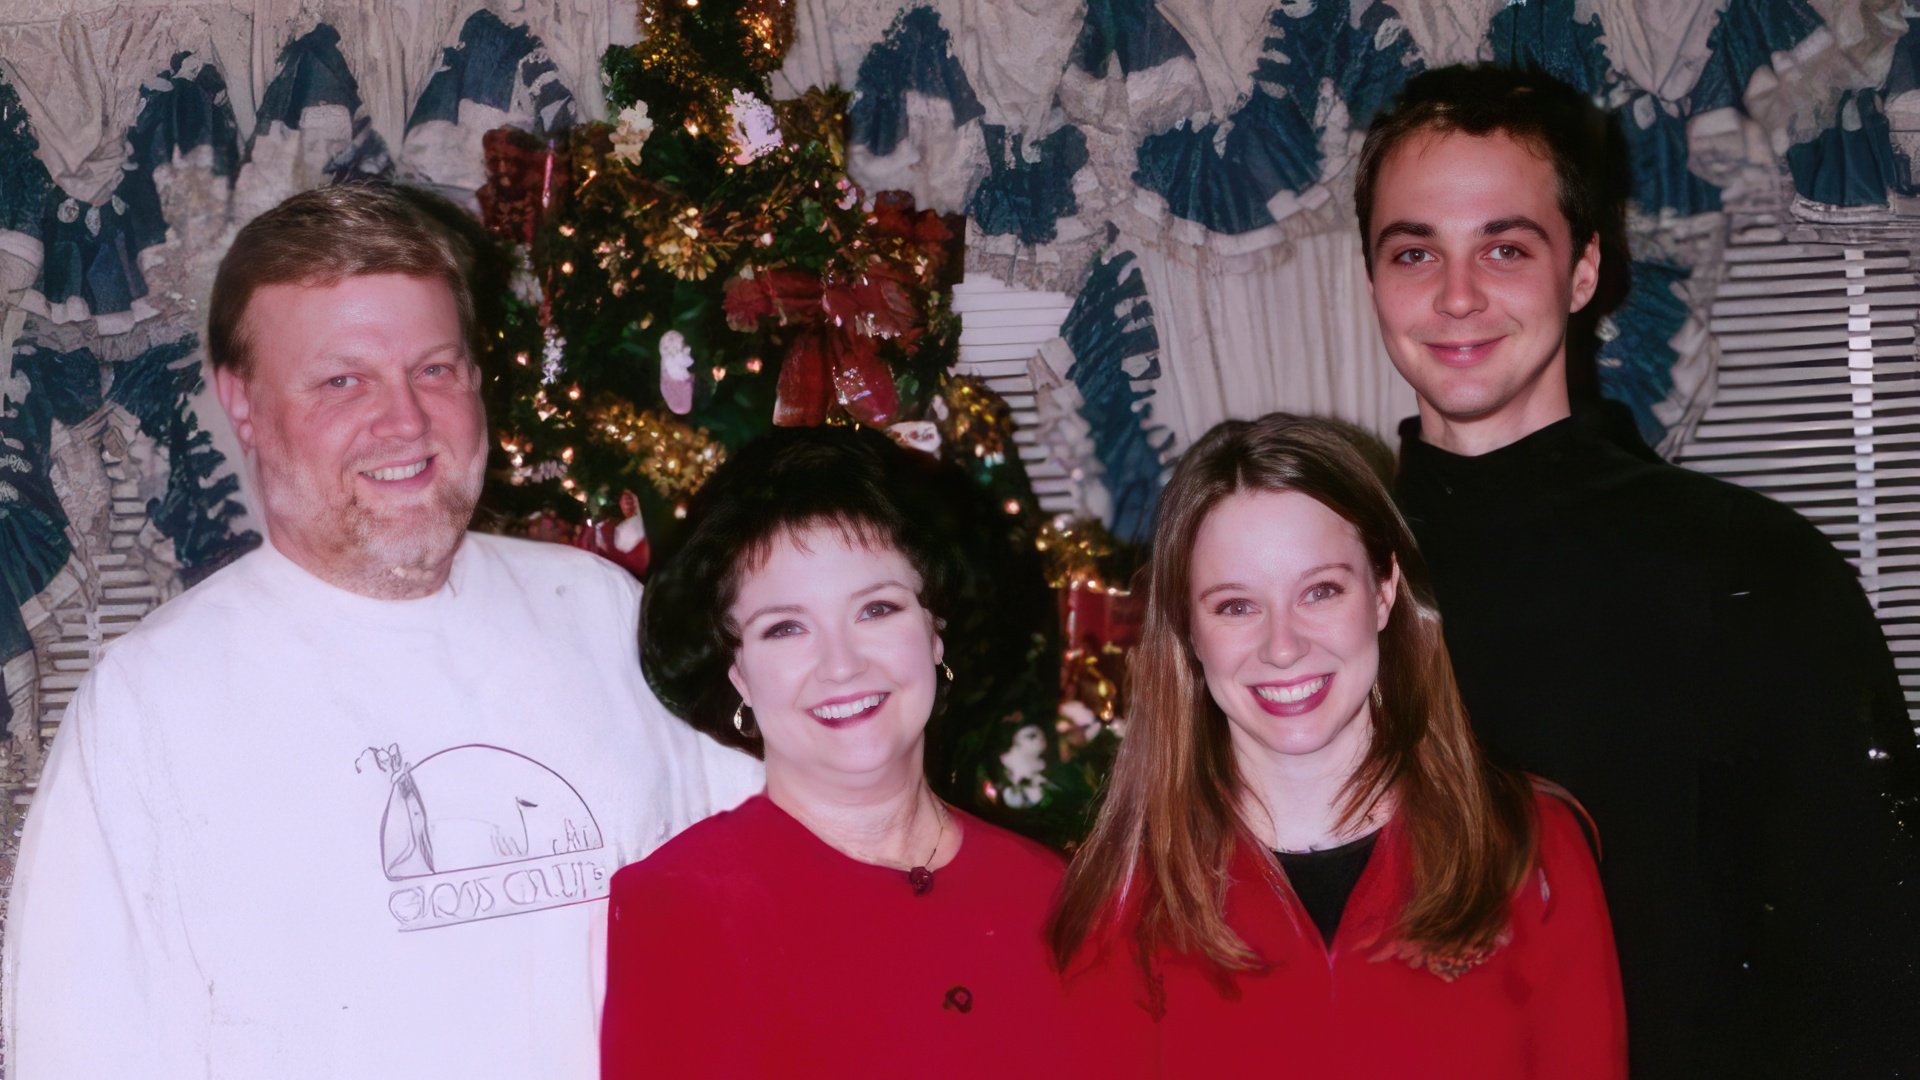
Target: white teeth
[[398, 472], [847, 708], [1286, 695]]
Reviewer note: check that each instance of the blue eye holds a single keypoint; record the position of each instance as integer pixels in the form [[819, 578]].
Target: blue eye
[[1326, 590]]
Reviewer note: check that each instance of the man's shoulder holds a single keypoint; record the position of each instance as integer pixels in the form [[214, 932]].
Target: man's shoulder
[[542, 564], [1740, 516], [234, 594]]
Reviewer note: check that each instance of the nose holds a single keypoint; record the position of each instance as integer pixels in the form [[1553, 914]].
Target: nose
[[1460, 292], [401, 415], [840, 656], [1283, 646]]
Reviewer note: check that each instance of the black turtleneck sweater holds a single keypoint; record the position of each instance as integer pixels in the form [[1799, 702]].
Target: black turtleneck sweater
[[1700, 668]]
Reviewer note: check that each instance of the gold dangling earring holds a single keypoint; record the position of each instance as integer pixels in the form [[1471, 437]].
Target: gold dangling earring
[[945, 670], [739, 717]]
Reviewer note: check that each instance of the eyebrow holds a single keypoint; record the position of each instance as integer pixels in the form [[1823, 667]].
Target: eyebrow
[[798, 609], [1517, 223], [1231, 586], [1402, 228], [1422, 231], [350, 357]]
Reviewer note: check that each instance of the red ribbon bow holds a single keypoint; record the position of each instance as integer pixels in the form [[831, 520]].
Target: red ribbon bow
[[836, 354]]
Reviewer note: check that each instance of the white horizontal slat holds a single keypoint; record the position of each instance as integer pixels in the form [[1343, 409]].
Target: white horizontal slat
[[1013, 351], [993, 369], [1769, 342], [1884, 370], [1737, 358], [1825, 392], [1030, 336], [1042, 323], [1811, 267], [1798, 320], [1839, 283], [1776, 253], [1825, 301]]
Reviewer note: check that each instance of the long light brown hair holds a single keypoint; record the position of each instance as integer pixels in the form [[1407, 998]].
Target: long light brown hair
[[1158, 857]]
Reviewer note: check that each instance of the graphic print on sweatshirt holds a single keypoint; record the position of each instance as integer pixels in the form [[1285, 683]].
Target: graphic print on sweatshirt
[[480, 832]]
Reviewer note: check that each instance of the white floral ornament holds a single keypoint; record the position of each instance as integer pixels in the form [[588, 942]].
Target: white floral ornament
[[756, 132], [676, 372], [553, 352], [1085, 723], [634, 125], [1026, 764]]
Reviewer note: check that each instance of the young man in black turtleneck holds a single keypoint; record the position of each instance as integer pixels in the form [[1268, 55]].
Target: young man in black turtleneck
[[1694, 661]]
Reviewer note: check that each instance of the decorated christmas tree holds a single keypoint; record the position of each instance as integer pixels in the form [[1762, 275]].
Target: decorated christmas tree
[[703, 269]]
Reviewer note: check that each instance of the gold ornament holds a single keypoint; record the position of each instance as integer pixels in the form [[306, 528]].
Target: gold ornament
[[769, 29], [977, 417], [1073, 549], [675, 457]]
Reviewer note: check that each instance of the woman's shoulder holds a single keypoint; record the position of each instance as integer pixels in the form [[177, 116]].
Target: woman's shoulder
[[1565, 828], [1566, 850], [701, 857], [1008, 847]]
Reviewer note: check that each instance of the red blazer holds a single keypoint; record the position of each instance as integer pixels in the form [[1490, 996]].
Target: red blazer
[[746, 947], [1545, 1005]]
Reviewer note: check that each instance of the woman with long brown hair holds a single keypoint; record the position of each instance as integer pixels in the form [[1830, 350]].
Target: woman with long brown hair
[[1303, 856]]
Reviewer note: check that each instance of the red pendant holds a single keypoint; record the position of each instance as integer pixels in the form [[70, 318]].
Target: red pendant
[[921, 879]]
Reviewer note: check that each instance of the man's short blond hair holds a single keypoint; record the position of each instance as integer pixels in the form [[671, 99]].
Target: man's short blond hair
[[328, 234]]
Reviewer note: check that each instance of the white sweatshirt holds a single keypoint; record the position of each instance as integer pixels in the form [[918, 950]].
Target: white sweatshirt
[[286, 831]]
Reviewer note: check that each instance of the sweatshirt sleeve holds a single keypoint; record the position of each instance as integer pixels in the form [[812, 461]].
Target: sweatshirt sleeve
[[100, 976], [1577, 1016]]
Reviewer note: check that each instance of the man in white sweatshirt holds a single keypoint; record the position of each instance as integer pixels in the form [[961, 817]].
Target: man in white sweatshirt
[[348, 808]]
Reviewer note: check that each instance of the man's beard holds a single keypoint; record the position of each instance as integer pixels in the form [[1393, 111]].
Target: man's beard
[[387, 555], [394, 555]]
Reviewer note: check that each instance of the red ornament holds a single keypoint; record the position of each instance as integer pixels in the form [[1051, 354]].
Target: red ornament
[[526, 180], [836, 356]]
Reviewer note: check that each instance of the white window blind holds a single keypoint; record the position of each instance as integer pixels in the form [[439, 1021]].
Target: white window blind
[[1817, 402], [1002, 331]]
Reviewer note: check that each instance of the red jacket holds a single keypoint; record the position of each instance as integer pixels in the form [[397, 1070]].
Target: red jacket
[[746, 947], [1545, 1005]]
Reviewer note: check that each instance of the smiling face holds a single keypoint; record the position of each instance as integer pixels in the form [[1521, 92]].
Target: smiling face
[[836, 660], [1286, 617], [362, 410], [1474, 277]]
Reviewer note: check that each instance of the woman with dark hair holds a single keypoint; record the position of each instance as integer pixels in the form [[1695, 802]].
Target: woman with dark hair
[[1302, 854], [847, 922]]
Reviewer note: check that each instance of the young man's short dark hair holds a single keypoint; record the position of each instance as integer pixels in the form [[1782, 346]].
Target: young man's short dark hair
[[1551, 118]]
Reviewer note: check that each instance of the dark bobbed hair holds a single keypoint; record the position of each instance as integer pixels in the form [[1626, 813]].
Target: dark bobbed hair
[[784, 483], [1171, 822], [325, 235]]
